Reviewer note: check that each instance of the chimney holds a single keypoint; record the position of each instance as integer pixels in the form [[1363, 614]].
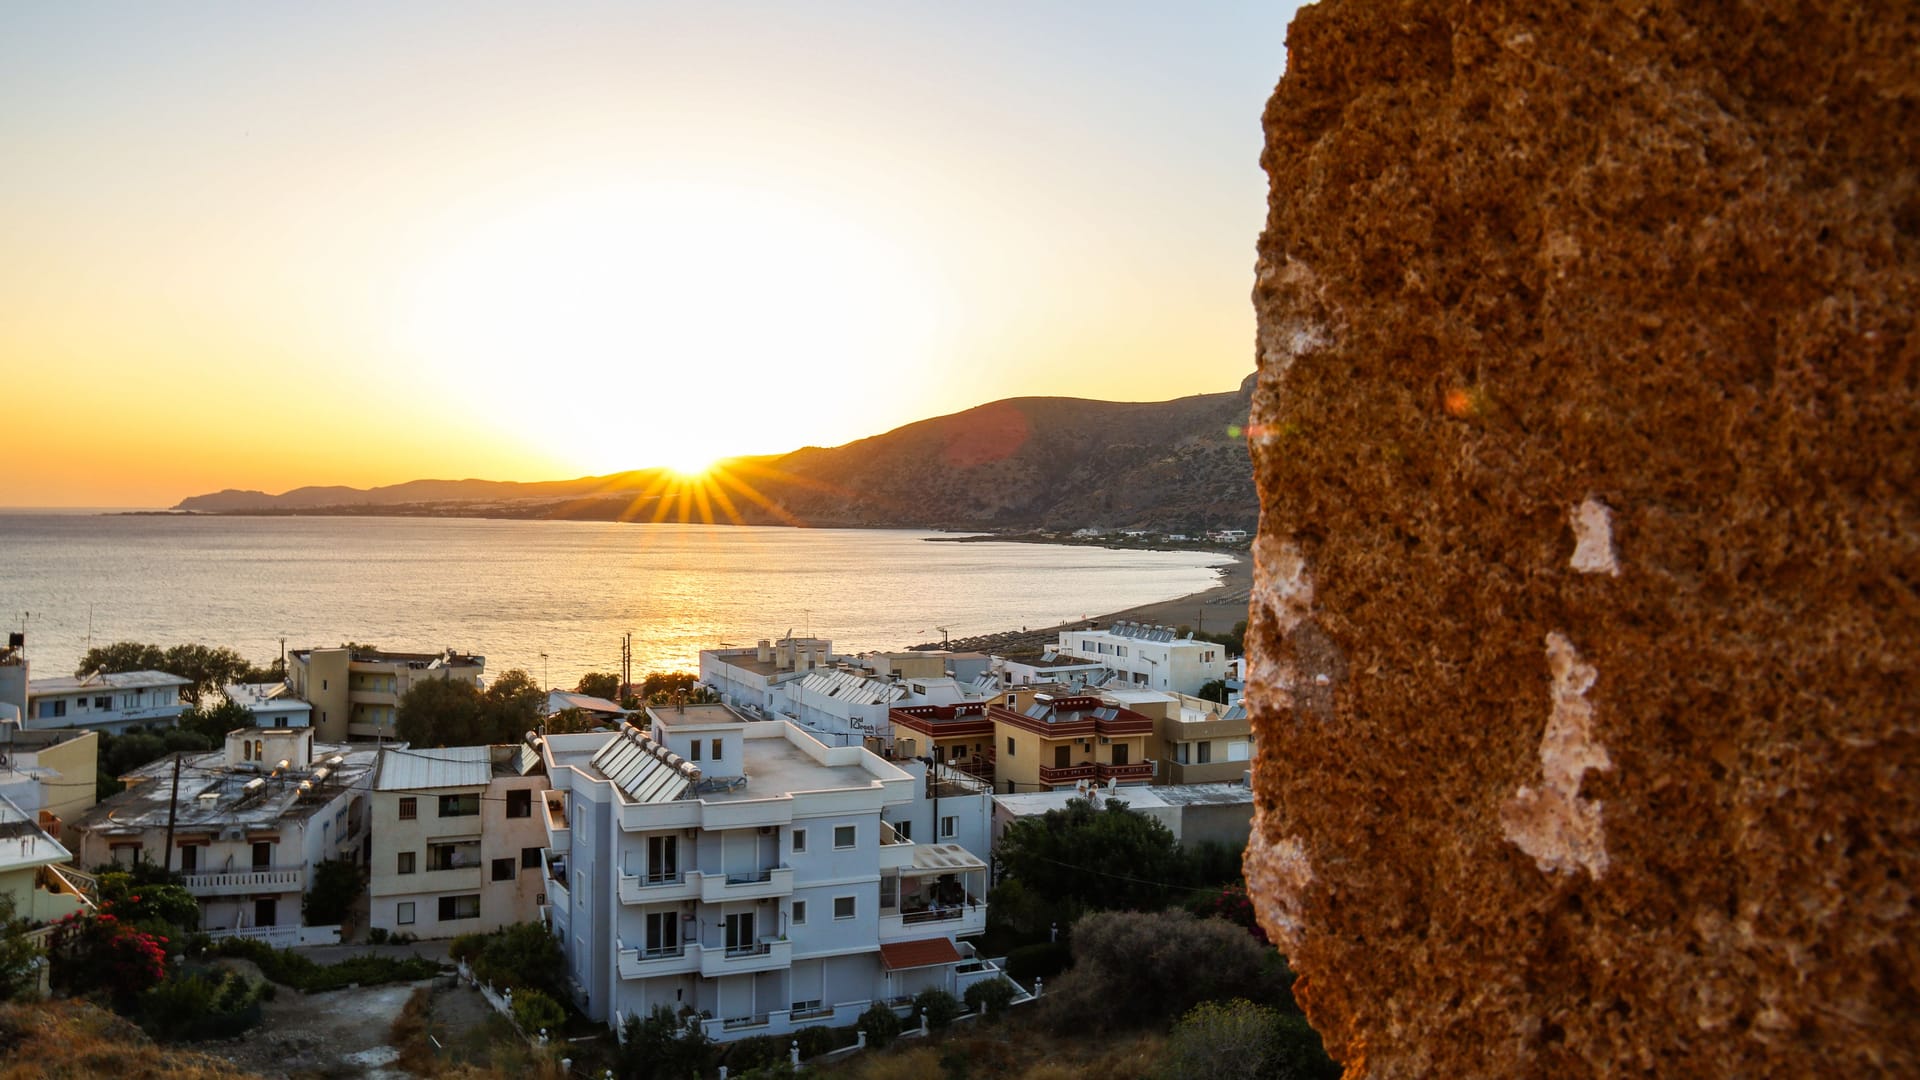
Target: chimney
[[765, 652]]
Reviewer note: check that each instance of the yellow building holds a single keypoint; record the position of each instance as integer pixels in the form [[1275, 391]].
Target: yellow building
[[1063, 740], [33, 869], [1196, 741], [50, 773], [356, 692]]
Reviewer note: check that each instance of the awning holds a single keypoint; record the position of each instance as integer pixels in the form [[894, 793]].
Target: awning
[[930, 859], [927, 952]]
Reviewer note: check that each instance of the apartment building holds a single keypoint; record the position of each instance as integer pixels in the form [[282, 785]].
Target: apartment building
[[747, 872], [1196, 741], [35, 869], [1063, 740], [959, 735], [49, 773], [355, 690], [456, 845], [749, 679], [109, 703], [1193, 813], [271, 705], [1148, 657], [248, 823]]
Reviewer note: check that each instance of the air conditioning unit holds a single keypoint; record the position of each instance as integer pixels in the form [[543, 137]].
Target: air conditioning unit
[[1104, 740]]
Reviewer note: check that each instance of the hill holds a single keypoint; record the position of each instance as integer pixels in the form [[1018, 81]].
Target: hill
[[1018, 463]]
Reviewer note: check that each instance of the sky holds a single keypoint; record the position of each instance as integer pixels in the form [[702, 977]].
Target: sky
[[269, 245]]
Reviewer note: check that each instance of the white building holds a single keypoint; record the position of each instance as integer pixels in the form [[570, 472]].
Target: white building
[[109, 703], [34, 869], [1148, 657], [746, 871], [272, 705], [748, 679], [456, 847], [249, 822]]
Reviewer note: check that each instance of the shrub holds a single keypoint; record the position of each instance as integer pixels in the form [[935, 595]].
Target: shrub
[[755, 1052], [1300, 1055], [289, 968], [991, 997], [94, 953], [135, 901], [19, 958], [535, 1012], [377, 935], [1042, 961], [522, 956], [1134, 970], [199, 1006], [880, 1023], [1232, 904], [660, 1047], [336, 884], [938, 1007], [819, 1039]]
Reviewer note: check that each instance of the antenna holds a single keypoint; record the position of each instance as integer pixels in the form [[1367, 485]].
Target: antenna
[[945, 638]]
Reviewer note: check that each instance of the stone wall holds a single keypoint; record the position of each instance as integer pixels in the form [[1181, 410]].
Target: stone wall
[[1584, 634]]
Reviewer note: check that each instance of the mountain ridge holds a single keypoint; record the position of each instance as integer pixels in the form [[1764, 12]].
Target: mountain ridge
[[1042, 462]]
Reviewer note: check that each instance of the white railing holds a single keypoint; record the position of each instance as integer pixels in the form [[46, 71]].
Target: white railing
[[282, 937], [280, 879]]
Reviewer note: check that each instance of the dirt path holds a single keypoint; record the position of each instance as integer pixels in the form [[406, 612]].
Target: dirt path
[[342, 1033]]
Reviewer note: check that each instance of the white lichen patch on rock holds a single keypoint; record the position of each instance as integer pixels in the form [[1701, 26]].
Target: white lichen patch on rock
[[1278, 876], [1283, 591], [1593, 538], [1285, 340], [1556, 826]]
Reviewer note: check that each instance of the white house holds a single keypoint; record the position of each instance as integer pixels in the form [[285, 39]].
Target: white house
[[456, 847], [1149, 657], [248, 824], [109, 703], [745, 872], [748, 679], [272, 705]]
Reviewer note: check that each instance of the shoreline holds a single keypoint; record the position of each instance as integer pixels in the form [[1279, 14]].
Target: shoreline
[[1215, 610]]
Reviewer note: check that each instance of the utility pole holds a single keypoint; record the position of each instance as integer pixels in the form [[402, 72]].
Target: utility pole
[[173, 806]]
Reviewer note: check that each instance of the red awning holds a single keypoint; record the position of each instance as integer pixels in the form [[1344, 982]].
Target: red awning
[[930, 952]]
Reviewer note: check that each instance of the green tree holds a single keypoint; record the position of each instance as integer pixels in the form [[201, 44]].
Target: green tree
[[209, 668], [570, 721], [660, 1047], [522, 956], [514, 705], [600, 684], [121, 656], [440, 712], [336, 885], [536, 1012], [212, 719], [155, 898], [19, 957], [1215, 690], [126, 753], [1086, 858], [1134, 970]]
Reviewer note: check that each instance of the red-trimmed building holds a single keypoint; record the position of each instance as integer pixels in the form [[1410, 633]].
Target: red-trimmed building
[[1060, 741], [959, 735]]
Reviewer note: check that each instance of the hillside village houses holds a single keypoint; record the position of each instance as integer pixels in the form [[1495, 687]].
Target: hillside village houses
[[456, 844], [749, 872], [35, 869]]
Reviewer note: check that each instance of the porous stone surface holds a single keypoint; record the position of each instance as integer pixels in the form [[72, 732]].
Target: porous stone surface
[[1584, 632]]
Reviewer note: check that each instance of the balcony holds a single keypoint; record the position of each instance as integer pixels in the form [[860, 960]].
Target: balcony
[[763, 955], [236, 883], [1070, 774], [642, 889], [896, 851], [559, 834], [638, 963], [957, 920], [758, 885], [1140, 772]]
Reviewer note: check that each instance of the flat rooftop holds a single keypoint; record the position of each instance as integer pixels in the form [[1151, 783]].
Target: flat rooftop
[[125, 680], [23, 843], [1137, 798], [776, 767], [212, 794]]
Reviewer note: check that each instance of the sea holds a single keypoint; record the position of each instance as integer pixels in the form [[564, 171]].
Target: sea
[[551, 597]]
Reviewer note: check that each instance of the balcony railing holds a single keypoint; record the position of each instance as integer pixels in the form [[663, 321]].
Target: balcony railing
[[1139, 770], [277, 879], [1068, 774]]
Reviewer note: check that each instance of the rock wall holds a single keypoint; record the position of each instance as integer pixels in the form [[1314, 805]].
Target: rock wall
[[1584, 632]]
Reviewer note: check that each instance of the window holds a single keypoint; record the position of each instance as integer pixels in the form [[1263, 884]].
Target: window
[[503, 869], [1238, 749], [1180, 752], [189, 859], [259, 750], [694, 751], [459, 907], [904, 828], [262, 855], [529, 858], [403, 913], [323, 684], [1203, 753], [843, 836], [409, 808], [843, 907], [740, 932], [663, 859], [716, 749], [1009, 746], [459, 805], [406, 862], [458, 855], [663, 933], [520, 803], [103, 703], [889, 892], [949, 826], [246, 750], [799, 839], [799, 913]]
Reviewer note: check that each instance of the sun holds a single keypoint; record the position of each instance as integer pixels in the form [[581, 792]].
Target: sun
[[690, 465]]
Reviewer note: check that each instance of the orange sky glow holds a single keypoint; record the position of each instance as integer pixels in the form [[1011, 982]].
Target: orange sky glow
[[264, 247]]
